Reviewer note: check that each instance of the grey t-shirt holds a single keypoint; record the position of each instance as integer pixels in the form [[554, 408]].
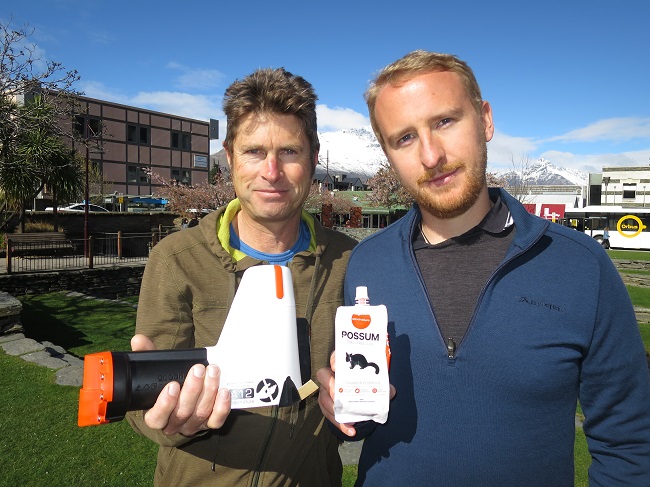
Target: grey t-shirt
[[456, 270]]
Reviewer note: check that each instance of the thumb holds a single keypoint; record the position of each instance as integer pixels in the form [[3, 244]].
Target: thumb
[[140, 343]]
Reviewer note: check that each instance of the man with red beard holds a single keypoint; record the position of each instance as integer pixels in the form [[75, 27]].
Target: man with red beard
[[499, 321]]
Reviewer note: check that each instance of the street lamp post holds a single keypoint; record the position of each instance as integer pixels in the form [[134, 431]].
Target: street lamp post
[[86, 192]]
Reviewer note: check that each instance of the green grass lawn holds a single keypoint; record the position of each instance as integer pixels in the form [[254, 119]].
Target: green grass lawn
[[42, 445], [79, 325], [40, 442], [52, 449], [629, 254]]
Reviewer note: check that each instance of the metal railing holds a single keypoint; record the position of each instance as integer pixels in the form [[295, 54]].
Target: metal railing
[[49, 255]]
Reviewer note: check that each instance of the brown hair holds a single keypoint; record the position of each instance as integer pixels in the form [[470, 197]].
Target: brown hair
[[271, 91], [416, 63]]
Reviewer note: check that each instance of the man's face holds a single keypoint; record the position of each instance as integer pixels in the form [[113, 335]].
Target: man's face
[[436, 141], [271, 167]]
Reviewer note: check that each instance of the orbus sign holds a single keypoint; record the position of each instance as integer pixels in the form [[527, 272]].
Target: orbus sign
[[630, 226]]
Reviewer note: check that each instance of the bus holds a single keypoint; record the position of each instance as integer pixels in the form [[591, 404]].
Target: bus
[[629, 228]]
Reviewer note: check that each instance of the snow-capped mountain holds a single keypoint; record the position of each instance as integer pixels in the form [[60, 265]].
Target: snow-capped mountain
[[356, 153], [353, 152], [543, 172]]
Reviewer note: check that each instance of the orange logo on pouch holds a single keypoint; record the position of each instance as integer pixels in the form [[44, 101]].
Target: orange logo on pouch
[[361, 321]]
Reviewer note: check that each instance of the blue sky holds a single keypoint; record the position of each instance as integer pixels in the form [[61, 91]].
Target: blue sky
[[567, 79]]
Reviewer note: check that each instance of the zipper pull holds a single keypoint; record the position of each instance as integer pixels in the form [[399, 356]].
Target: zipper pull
[[451, 347]]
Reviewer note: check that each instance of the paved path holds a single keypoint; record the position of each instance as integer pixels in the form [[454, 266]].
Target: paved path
[[69, 369]]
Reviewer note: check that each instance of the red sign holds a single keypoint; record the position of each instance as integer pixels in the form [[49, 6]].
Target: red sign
[[552, 212]]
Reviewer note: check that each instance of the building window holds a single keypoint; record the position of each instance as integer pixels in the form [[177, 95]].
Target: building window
[[137, 134], [182, 176], [181, 140], [94, 126], [629, 191], [136, 174]]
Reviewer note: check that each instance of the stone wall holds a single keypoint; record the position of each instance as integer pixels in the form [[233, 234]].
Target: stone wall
[[356, 233], [105, 282], [72, 224], [10, 309]]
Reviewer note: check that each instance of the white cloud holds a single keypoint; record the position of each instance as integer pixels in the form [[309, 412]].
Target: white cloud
[[333, 119], [99, 91], [596, 162], [200, 107], [503, 148], [196, 78], [617, 129]]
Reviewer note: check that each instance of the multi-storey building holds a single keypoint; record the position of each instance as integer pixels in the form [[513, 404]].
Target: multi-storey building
[[127, 141], [621, 186]]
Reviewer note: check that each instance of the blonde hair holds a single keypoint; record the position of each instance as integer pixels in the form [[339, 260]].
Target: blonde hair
[[414, 64]]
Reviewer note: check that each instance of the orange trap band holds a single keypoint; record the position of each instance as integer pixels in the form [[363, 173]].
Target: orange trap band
[[97, 389]]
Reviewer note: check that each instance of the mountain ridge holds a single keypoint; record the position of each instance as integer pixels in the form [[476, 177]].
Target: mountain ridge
[[357, 153]]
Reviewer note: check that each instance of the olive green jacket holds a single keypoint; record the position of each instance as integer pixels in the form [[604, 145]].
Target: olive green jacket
[[187, 288]]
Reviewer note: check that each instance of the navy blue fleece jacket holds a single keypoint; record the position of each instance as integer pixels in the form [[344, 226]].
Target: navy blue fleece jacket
[[553, 324]]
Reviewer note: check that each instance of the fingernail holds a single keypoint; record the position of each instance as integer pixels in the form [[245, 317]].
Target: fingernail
[[198, 371], [173, 389], [225, 394], [213, 371]]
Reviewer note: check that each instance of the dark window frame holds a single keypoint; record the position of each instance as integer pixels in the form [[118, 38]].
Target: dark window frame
[[630, 193], [181, 141], [177, 174], [139, 176], [94, 126], [138, 134]]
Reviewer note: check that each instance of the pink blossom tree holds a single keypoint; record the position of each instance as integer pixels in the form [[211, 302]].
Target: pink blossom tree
[[206, 195]]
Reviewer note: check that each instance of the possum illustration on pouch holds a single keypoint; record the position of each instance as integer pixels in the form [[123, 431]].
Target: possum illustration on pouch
[[357, 359]]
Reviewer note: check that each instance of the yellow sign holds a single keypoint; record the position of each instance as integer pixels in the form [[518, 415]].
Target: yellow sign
[[624, 225], [120, 200]]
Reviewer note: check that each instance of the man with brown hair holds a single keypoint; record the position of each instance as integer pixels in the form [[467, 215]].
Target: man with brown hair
[[190, 281]]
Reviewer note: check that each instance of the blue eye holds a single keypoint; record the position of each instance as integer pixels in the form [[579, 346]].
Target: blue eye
[[406, 138]]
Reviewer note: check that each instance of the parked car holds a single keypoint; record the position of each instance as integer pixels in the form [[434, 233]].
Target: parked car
[[78, 208], [204, 211]]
